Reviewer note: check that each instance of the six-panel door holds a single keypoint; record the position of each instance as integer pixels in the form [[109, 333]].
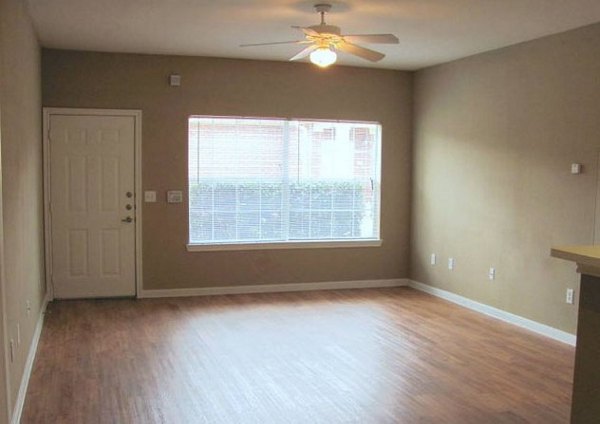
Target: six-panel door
[[92, 205]]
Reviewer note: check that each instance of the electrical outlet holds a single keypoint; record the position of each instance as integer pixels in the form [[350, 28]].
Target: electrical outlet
[[492, 274], [451, 264], [570, 296], [433, 259]]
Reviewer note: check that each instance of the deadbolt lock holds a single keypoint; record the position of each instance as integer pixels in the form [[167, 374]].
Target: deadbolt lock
[[128, 207], [129, 194], [128, 219]]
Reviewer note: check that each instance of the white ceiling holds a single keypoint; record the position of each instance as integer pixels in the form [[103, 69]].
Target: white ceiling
[[430, 31]]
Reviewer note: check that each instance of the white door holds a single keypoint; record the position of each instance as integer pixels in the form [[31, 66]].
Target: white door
[[92, 205]]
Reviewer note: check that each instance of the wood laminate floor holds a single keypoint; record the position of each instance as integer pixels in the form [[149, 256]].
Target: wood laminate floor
[[356, 356]]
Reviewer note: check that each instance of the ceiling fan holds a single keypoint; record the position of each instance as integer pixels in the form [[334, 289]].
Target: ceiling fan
[[324, 40]]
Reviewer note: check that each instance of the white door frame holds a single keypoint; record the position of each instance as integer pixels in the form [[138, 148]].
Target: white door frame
[[137, 115]]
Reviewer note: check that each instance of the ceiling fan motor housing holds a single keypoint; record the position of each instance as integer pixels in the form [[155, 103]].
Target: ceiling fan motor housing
[[326, 29]]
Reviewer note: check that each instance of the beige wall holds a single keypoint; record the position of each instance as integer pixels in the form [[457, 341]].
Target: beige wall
[[4, 415], [20, 93], [494, 138], [251, 88]]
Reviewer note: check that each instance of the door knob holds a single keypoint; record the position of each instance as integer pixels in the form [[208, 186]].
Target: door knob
[[128, 219], [129, 194], [128, 207]]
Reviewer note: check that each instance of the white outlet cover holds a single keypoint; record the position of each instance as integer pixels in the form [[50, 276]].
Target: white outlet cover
[[150, 196], [450, 264], [492, 273], [570, 298], [575, 168], [174, 196], [433, 259]]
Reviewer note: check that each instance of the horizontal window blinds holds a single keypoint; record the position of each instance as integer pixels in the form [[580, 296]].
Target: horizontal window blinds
[[269, 180]]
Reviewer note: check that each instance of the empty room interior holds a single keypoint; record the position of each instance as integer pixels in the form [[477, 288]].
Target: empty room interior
[[290, 211]]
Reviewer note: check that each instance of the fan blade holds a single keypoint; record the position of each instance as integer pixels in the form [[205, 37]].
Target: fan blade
[[275, 43], [359, 51], [372, 38], [305, 52], [306, 31]]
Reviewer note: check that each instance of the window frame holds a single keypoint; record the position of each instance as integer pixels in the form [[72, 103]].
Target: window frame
[[240, 245]]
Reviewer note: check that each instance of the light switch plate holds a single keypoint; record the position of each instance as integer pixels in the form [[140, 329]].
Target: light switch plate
[[174, 196], [149, 196]]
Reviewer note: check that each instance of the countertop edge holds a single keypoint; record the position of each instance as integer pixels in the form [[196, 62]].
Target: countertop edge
[[586, 257]]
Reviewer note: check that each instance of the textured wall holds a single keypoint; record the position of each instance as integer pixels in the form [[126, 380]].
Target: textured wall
[[4, 415], [494, 138], [20, 96], [247, 88]]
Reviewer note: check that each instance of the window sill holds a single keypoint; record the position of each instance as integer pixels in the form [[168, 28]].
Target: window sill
[[328, 244]]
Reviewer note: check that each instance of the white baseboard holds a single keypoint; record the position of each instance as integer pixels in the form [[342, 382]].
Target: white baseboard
[[517, 320], [20, 402], [536, 327], [274, 288]]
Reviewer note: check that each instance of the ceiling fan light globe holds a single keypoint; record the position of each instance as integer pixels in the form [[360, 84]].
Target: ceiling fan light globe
[[323, 57]]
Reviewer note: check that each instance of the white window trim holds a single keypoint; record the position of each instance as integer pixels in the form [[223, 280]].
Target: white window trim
[[311, 244]]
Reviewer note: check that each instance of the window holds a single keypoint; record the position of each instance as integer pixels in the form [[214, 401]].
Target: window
[[275, 182]]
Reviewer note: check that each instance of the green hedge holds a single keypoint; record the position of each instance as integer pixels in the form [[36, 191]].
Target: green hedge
[[336, 207]]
